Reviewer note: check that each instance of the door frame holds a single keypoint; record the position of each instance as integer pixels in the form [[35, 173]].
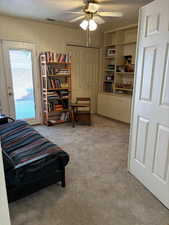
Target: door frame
[[134, 91], [4, 59], [3, 91]]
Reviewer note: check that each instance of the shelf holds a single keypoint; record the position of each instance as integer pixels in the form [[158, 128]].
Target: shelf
[[52, 84], [56, 112], [56, 89], [122, 43], [116, 94], [126, 73], [109, 45], [109, 70], [50, 99], [109, 57], [59, 75], [52, 113], [127, 43], [54, 122], [58, 63], [124, 89]]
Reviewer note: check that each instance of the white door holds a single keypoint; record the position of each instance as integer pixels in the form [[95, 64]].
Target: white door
[[21, 82], [85, 73], [149, 141]]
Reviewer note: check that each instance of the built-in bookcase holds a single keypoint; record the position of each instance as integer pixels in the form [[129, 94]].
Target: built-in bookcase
[[119, 59], [55, 70]]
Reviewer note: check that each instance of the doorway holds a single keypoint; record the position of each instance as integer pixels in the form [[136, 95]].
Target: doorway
[[20, 81]]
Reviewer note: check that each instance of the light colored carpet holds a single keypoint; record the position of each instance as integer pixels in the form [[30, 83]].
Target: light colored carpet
[[99, 189]]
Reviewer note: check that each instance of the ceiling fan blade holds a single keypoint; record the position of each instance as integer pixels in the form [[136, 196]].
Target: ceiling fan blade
[[111, 14], [108, 2], [73, 12], [104, 2], [77, 18], [98, 19]]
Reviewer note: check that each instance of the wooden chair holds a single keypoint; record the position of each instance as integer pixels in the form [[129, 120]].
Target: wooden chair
[[83, 114]]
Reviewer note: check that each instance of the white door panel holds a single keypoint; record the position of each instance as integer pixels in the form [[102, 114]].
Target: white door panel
[[149, 141], [85, 73]]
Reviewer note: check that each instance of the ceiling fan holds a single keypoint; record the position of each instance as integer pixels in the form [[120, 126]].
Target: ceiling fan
[[91, 14]]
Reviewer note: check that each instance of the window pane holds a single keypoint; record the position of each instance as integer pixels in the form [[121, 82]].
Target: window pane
[[21, 69]]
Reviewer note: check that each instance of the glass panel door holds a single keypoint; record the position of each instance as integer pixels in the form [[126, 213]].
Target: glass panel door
[[22, 85], [22, 80]]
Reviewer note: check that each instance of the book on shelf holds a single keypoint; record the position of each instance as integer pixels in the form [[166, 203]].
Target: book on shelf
[[52, 93], [55, 95], [54, 70], [52, 57], [52, 107], [58, 108], [56, 83], [64, 93], [65, 116], [108, 87]]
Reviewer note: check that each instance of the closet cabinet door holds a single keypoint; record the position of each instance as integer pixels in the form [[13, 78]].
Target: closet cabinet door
[[115, 107], [85, 73]]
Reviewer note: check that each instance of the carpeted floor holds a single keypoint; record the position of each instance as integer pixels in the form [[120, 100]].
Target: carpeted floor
[[99, 189]]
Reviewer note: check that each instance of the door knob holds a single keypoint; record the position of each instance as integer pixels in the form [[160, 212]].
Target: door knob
[[10, 93]]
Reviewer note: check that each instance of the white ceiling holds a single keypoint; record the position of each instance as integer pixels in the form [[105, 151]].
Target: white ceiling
[[58, 10]]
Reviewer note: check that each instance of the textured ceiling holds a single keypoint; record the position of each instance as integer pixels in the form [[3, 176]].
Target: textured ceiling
[[58, 10]]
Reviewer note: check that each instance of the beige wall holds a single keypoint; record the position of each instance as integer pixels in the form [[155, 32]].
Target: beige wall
[[45, 36]]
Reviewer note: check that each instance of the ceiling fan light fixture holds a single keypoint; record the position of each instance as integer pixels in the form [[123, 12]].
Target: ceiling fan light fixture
[[92, 25], [84, 24]]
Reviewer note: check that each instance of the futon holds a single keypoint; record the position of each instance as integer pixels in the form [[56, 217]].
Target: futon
[[31, 161]]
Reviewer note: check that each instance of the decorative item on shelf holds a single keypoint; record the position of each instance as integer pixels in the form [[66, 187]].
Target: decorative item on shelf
[[64, 85], [125, 86], [120, 68], [125, 68], [128, 59], [129, 67], [111, 52], [109, 77]]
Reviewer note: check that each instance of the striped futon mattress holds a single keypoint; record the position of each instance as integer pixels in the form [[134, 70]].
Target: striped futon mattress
[[22, 143]]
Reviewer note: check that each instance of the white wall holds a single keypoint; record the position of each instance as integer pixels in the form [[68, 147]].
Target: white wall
[[4, 213]]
